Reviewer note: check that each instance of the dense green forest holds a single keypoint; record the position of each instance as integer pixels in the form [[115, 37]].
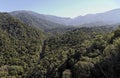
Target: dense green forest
[[77, 50], [20, 46], [86, 52]]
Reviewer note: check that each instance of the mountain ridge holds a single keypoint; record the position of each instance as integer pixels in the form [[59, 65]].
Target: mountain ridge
[[33, 20], [89, 19]]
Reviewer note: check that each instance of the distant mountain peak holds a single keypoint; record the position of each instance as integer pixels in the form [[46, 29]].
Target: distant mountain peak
[[105, 18]]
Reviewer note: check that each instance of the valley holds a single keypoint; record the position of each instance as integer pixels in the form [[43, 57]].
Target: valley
[[35, 45]]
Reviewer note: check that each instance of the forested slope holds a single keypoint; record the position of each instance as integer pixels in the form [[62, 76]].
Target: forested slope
[[35, 21], [87, 52], [20, 46], [79, 51]]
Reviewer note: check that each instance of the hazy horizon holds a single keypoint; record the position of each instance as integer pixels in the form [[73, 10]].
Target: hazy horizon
[[61, 8]]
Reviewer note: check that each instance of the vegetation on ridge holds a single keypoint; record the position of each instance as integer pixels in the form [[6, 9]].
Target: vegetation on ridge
[[87, 52]]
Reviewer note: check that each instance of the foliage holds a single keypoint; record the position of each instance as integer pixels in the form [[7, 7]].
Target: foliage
[[20, 46], [84, 52]]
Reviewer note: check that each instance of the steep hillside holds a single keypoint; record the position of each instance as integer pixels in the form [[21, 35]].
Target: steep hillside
[[87, 52], [52, 18], [20, 46], [99, 19], [33, 19]]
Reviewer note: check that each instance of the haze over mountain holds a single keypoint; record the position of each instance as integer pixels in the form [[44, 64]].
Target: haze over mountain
[[41, 39], [34, 19], [107, 18]]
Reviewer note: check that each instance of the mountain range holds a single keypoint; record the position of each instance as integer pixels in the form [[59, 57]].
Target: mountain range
[[32, 19], [111, 17], [28, 51]]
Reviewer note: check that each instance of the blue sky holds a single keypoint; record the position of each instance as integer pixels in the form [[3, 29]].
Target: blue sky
[[64, 8]]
